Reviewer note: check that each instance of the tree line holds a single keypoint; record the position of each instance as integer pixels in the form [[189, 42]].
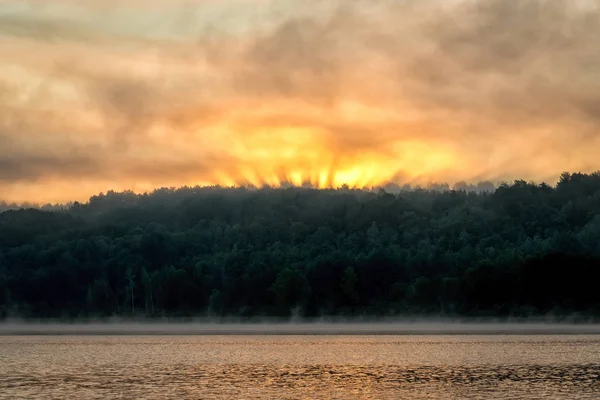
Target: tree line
[[523, 249]]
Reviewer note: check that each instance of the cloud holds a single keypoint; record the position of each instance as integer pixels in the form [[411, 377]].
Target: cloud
[[139, 95]]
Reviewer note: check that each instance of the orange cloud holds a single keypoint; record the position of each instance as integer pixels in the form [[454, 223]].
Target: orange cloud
[[140, 95]]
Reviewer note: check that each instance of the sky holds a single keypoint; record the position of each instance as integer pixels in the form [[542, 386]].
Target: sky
[[102, 95]]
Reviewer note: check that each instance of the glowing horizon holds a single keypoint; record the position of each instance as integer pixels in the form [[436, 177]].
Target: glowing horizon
[[134, 95]]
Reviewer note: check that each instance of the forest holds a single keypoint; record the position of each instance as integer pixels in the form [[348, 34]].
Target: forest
[[522, 249]]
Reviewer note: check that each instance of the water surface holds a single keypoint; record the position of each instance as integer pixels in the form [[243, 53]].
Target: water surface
[[301, 367]]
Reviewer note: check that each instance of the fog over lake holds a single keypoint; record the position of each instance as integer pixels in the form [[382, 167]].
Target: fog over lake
[[268, 327]]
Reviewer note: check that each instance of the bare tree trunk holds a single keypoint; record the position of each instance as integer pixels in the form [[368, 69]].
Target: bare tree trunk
[[151, 301]]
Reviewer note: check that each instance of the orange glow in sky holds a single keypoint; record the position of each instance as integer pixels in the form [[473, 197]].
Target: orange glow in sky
[[107, 95]]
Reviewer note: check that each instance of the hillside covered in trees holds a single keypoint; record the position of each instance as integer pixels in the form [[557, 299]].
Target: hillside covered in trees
[[524, 249]]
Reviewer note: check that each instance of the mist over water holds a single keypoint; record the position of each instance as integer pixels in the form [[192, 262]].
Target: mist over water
[[271, 327], [136, 95]]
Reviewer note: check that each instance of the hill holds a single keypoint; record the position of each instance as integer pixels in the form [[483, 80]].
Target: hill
[[524, 249]]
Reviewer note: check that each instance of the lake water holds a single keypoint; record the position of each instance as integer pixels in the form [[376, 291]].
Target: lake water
[[301, 367]]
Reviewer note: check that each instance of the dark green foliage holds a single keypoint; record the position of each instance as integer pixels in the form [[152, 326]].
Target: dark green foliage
[[524, 249]]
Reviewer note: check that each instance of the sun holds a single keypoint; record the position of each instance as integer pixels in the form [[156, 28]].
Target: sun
[[284, 156]]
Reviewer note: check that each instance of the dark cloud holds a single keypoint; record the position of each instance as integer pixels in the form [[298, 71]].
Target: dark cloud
[[525, 60], [35, 167]]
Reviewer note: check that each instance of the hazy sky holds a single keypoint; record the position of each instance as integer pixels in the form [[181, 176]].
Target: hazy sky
[[136, 94]]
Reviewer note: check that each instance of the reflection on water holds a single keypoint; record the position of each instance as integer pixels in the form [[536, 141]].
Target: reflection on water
[[300, 367]]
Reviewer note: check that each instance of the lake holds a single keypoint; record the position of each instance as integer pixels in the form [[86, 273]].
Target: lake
[[300, 367]]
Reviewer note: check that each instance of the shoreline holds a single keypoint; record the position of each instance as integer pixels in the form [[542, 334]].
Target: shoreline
[[246, 329]]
